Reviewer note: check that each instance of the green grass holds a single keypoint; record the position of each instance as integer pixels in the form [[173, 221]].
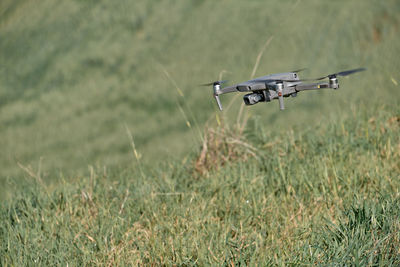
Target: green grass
[[325, 195], [111, 155], [73, 74]]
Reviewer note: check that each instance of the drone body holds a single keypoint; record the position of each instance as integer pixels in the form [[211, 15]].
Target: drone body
[[277, 86]]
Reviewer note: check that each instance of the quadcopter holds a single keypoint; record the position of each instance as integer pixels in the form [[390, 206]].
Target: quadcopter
[[277, 86]]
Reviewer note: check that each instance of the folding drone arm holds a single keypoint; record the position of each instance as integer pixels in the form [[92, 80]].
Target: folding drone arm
[[315, 86], [218, 91], [228, 89], [279, 93]]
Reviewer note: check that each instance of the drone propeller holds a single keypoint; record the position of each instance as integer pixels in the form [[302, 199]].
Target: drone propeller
[[216, 88], [214, 83], [342, 73], [299, 70], [330, 76]]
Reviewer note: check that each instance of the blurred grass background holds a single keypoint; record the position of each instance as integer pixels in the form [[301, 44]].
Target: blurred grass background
[[73, 73]]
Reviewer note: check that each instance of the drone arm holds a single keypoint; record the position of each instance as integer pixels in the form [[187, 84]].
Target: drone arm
[[228, 89], [218, 91], [312, 86]]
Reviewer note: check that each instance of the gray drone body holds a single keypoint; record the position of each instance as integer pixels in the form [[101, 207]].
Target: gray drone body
[[277, 86]]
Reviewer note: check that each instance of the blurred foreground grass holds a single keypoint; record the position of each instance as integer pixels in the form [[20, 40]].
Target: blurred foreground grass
[[324, 195]]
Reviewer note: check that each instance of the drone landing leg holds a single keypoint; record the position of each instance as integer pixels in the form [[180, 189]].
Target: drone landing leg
[[218, 102], [279, 90]]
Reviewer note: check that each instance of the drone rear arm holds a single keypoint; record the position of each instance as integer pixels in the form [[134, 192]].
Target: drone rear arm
[[312, 86]]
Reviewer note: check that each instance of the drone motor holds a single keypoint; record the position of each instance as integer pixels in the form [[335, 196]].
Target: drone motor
[[333, 82]]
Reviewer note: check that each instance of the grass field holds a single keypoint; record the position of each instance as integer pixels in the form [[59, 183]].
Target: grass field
[[103, 126], [323, 195]]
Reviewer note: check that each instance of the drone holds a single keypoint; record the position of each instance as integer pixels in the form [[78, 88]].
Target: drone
[[277, 86]]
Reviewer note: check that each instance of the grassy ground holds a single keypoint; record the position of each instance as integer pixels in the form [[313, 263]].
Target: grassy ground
[[110, 154], [316, 196], [73, 74]]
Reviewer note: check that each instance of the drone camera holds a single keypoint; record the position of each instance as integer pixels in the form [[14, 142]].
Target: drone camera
[[251, 99]]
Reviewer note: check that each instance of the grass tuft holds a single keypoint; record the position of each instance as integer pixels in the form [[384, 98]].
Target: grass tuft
[[222, 146]]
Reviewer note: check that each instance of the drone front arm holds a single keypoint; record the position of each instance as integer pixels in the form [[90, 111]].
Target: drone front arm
[[218, 91], [228, 89]]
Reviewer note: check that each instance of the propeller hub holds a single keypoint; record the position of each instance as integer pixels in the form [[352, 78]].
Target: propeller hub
[[333, 82]]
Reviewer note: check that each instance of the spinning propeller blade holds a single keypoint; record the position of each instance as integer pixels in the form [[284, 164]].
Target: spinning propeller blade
[[214, 83], [342, 73], [299, 70]]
